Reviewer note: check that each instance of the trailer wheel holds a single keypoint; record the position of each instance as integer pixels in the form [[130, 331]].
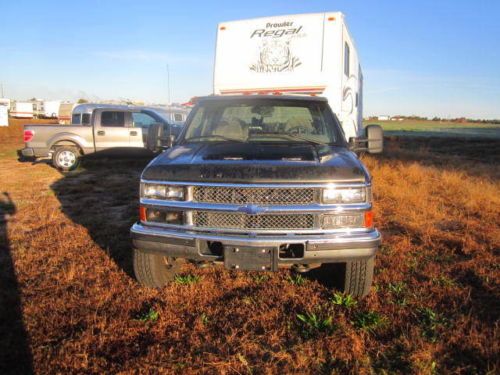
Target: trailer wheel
[[357, 276], [154, 270], [66, 158]]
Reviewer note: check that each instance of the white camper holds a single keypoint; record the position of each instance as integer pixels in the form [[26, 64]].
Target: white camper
[[21, 109], [4, 112], [51, 108], [65, 112], [38, 108], [308, 54]]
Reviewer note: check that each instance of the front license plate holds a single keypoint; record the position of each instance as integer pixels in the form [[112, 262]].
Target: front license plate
[[251, 258]]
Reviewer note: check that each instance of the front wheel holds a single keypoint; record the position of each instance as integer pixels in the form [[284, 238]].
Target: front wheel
[[357, 277], [154, 270], [66, 158]]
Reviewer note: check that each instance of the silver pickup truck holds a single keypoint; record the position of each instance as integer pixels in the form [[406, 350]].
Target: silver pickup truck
[[117, 129], [257, 183]]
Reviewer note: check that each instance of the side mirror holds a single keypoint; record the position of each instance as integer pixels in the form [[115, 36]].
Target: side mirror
[[375, 139]]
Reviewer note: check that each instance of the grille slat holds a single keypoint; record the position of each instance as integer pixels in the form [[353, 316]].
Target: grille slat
[[243, 195], [228, 220]]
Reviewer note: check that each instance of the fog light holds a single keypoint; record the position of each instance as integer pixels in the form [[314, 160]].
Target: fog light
[[174, 217], [154, 215], [342, 221]]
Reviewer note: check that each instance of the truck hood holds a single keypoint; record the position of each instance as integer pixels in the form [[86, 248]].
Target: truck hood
[[256, 163]]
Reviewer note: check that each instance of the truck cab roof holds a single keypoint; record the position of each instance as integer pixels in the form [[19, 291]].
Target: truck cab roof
[[261, 97]]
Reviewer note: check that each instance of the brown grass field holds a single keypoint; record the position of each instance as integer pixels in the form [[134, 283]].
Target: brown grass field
[[69, 302]]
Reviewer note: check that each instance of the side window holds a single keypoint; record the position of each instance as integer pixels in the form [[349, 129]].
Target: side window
[[142, 120], [347, 52], [75, 119], [178, 117], [116, 119], [86, 119]]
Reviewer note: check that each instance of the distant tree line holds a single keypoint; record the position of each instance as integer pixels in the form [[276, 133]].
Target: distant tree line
[[457, 119]]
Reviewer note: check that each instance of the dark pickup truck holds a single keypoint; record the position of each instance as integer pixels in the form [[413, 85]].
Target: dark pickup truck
[[256, 183]]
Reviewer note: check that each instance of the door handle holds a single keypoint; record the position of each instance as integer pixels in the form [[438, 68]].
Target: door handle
[[101, 132], [133, 132]]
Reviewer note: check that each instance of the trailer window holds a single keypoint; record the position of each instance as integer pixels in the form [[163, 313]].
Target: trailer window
[[116, 119], [347, 53]]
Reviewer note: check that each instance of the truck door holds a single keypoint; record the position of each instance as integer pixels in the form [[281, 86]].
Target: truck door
[[112, 129]]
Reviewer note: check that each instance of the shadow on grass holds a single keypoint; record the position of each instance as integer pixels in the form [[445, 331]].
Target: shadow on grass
[[15, 352], [103, 196]]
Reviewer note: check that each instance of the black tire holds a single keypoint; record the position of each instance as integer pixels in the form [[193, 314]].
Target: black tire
[[154, 270], [66, 158], [357, 277]]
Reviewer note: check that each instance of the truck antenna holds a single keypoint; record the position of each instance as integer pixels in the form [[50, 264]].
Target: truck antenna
[[168, 85]]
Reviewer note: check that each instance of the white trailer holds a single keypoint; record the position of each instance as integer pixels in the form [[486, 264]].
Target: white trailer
[[51, 108], [21, 109], [65, 112], [4, 112], [308, 54]]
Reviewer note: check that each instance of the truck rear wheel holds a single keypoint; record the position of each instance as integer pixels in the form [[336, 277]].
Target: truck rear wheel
[[154, 270], [357, 277], [66, 158]]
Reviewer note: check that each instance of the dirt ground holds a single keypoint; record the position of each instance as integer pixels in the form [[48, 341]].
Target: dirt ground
[[69, 302]]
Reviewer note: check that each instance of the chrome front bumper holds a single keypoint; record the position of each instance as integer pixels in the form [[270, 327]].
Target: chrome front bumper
[[318, 248]]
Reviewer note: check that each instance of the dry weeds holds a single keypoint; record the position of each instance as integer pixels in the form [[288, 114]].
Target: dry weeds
[[69, 303]]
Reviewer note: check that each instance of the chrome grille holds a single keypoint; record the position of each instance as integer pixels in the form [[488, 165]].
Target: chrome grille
[[264, 195], [228, 220]]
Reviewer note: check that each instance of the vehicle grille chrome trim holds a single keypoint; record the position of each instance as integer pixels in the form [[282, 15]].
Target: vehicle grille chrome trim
[[225, 220], [256, 195]]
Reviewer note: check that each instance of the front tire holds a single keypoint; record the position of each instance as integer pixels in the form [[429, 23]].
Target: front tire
[[66, 158], [154, 270], [358, 276]]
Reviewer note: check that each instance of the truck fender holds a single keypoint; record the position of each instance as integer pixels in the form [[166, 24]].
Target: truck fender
[[68, 139]]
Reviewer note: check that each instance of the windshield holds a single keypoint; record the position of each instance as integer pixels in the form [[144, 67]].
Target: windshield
[[266, 120]]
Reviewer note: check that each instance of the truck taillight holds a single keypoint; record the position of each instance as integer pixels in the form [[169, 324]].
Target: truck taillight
[[28, 135]]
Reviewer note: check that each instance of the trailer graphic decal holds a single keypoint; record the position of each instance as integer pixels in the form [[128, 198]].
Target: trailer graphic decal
[[275, 56]]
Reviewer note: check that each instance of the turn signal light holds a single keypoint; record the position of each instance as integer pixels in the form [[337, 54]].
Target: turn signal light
[[142, 213], [369, 219]]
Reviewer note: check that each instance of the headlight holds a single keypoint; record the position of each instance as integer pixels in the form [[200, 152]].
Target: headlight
[[344, 195], [167, 192]]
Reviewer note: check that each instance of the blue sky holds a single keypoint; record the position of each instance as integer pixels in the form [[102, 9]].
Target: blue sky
[[422, 57]]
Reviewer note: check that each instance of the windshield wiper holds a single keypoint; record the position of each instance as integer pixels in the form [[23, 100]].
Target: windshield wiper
[[221, 137], [293, 136]]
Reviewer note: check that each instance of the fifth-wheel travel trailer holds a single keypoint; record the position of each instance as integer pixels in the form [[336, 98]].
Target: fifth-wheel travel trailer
[[4, 111], [65, 112], [21, 109], [51, 108], [308, 54]]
